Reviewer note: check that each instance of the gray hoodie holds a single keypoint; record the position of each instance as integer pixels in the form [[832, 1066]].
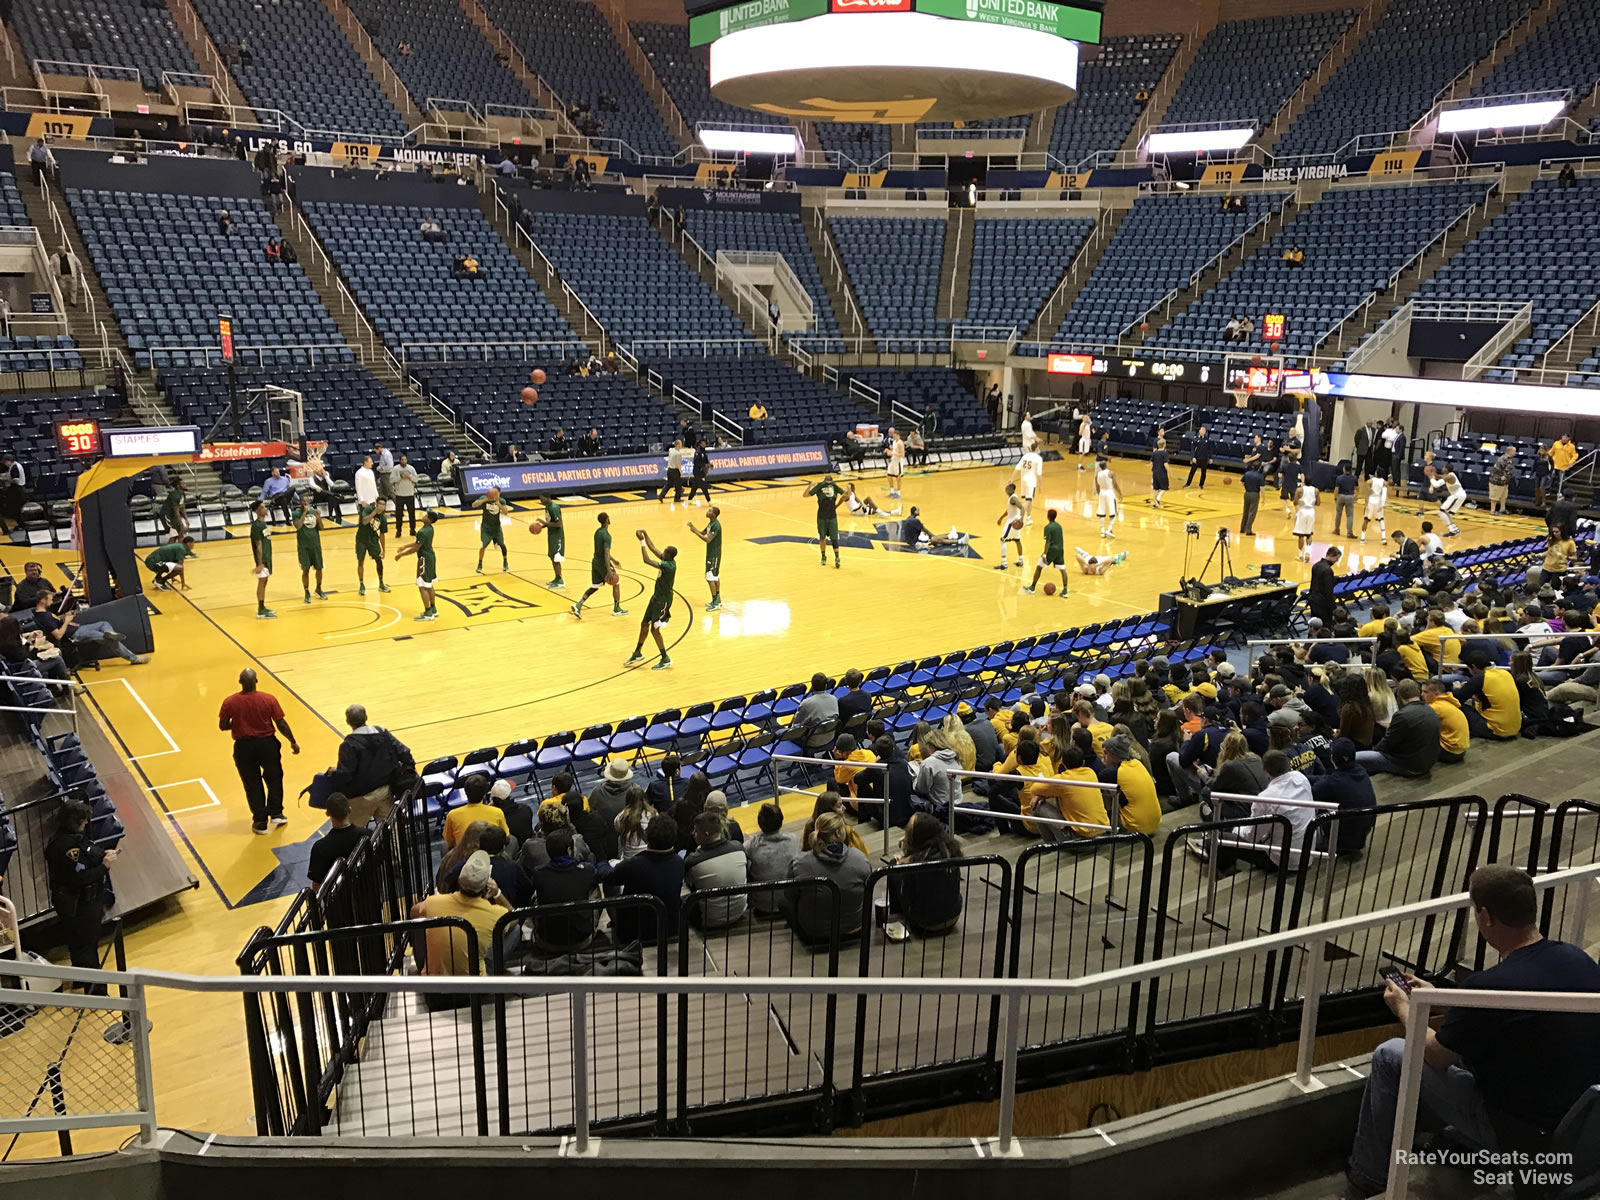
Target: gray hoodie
[[718, 865], [609, 799], [935, 784], [770, 855], [848, 868]]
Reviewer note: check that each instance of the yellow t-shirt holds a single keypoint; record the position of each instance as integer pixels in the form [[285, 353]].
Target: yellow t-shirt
[[1099, 731], [1372, 628], [1503, 713], [1083, 804], [845, 776], [455, 825], [1454, 736], [1141, 811], [447, 948], [1429, 641], [1173, 691], [1563, 455], [1412, 657]]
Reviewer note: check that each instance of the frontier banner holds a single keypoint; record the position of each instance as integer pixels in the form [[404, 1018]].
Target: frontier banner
[[644, 470]]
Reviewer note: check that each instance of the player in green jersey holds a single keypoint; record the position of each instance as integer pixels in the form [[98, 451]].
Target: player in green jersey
[[657, 613], [828, 494], [1055, 554], [603, 570], [261, 558], [556, 540], [489, 530], [370, 526], [167, 563], [173, 513], [427, 565], [711, 535], [308, 541]]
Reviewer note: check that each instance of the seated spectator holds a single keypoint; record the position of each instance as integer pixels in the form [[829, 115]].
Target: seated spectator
[[928, 901], [1454, 733], [1284, 796], [476, 901], [1189, 766], [769, 854], [715, 863], [1410, 746], [562, 880], [831, 856], [431, 230], [1294, 256], [657, 871], [64, 627], [589, 444], [335, 845], [557, 446], [827, 802], [274, 251], [934, 788], [1230, 331], [1489, 699], [817, 714], [1347, 784], [475, 789], [717, 802], [847, 750], [758, 411], [509, 877], [553, 815], [466, 267], [1486, 1065], [690, 806], [1141, 811], [892, 785], [224, 222], [631, 822], [855, 706]]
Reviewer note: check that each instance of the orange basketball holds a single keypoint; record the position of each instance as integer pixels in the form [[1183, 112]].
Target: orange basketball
[[538, 376], [613, 579], [535, 526], [530, 395], [1049, 589]]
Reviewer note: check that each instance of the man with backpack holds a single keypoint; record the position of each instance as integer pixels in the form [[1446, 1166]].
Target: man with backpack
[[373, 766]]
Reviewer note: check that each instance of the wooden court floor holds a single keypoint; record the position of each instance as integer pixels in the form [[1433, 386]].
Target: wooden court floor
[[506, 661]]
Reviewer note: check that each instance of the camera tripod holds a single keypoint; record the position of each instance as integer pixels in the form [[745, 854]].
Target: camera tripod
[[1219, 547]]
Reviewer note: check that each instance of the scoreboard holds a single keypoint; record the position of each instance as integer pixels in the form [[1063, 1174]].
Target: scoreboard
[[78, 437]]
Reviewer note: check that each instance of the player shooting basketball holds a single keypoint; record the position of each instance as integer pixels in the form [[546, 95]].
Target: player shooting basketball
[[1011, 527]]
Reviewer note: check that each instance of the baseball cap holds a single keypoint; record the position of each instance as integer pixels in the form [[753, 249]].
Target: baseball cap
[[475, 873], [502, 789], [1225, 671], [1119, 746], [1279, 691]]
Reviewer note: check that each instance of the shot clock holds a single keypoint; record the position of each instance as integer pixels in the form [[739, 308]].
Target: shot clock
[[78, 437]]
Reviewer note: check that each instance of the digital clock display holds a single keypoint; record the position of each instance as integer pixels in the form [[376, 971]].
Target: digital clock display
[[1274, 326], [78, 439]]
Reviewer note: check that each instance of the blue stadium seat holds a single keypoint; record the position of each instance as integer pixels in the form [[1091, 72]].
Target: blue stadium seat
[[1106, 107], [1246, 70], [893, 263], [779, 232], [1016, 264], [450, 58], [119, 33]]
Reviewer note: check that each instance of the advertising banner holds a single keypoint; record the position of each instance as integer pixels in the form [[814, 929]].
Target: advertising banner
[[645, 470], [708, 27], [684, 197], [1061, 20]]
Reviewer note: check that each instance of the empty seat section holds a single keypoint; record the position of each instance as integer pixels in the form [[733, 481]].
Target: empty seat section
[[935, 390], [893, 263], [777, 232], [1411, 52], [168, 271], [297, 60], [1354, 239], [642, 292], [113, 33], [1246, 70], [1110, 81], [1545, 248], [449, 59], [685, 72], [800, 408], [1562, 53], [1016, 264], [1160, 243], [861, 142], [489, 397], [572, 48], [411, 291]]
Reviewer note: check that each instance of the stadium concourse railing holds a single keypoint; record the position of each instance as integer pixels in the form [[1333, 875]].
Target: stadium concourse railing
[[1001, 1013], [340, 1058]]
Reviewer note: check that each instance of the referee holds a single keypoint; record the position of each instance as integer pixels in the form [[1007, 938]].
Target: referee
[[254, 718]]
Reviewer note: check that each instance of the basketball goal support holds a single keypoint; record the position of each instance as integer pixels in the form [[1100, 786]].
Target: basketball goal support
[[283, 411]]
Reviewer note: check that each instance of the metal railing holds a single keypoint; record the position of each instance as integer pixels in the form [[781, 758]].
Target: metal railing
[[726, 259], [1514, 329], [297, 988], [841, 278], [325, 352], [414, 353]]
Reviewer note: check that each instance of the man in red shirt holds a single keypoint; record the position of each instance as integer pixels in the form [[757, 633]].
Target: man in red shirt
[[252, 717]]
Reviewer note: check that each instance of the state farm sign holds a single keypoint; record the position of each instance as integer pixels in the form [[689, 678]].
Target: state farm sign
[[869, 6]]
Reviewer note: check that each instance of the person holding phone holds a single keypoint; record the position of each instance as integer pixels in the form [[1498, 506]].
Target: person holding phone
[[1530, 1066]]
